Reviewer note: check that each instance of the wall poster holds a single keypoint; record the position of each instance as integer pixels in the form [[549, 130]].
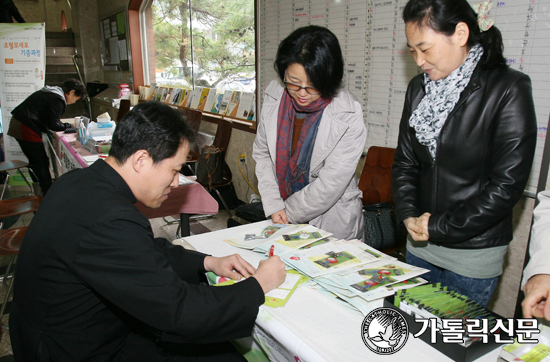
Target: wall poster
[[22, 69]]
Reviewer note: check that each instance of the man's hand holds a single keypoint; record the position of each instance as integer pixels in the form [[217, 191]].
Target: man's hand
[[537, 296], [279, 217], [271, 273], [232, 266]]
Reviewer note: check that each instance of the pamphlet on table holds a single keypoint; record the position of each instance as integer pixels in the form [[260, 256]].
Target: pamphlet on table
[[350, 269]]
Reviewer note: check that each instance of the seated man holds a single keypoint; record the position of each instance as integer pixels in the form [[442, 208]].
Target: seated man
[[94, 284], [536, 277]]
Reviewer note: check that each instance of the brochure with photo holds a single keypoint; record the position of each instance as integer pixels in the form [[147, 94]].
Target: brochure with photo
[[255, 237], [293, 237], [332, 256]]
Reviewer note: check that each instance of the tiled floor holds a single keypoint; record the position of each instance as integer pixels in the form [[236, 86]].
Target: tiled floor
[[160, 228]]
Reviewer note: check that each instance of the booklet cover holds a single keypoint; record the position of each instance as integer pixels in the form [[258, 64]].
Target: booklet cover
[[195, 97], [366, 280], [293, 237], [255, 237], [234, 104], [406, 284], [157, 93], [202, 99], [252, 113], [274, 298], [186, 98], [245, 105], [225, 102], [217, 102], [329, 257], [165, 94], [212, 93], [175, 96]]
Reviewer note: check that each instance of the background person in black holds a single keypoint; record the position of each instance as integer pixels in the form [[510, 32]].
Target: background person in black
[[37, 114], [93, 283], [8, 12]]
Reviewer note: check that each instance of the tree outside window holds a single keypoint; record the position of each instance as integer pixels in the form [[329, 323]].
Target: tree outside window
[[207, 43]]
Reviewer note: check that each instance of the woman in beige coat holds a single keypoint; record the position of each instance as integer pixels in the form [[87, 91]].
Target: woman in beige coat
[[310, 138]]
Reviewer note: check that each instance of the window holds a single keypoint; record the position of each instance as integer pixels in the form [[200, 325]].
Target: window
[[207, 43]]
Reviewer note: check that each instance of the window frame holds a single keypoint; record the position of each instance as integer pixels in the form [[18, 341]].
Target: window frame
[[138, 36]]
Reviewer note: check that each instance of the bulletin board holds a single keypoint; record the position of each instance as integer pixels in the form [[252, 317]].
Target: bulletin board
[[378, 64], [115, 42]]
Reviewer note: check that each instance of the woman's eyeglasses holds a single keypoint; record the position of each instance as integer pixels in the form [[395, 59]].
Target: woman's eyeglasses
[[295, 88]]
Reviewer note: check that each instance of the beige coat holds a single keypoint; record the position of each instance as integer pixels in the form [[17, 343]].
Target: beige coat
[[539, 247], [332, 200]]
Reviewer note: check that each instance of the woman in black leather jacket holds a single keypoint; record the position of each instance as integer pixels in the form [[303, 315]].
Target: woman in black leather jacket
[[466, 144]]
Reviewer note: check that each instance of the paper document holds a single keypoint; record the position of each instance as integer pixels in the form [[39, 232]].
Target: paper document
[[274, 298], [328, 257], [293, 237], [255, 237], [367, 280]]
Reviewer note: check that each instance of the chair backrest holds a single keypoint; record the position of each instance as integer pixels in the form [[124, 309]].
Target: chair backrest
[[223, 135], [123, 109], [193, 118], [375, 179]]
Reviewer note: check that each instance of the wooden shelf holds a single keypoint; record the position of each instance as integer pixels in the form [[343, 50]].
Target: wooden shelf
[[238, 123]]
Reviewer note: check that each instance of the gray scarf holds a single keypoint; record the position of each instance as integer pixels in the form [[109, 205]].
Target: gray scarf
[[441, 97], [56, 90]]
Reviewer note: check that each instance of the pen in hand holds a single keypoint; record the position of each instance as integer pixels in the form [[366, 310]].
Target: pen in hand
[[271, 250]]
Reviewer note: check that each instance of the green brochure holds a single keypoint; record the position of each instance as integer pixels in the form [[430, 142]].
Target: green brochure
[[275, 298]]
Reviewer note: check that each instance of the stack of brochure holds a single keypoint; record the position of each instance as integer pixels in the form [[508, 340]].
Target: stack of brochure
[[519, 352], [350, 269], [274, 298]]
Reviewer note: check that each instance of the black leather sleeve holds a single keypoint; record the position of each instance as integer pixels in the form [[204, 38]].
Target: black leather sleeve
[[406, 167]]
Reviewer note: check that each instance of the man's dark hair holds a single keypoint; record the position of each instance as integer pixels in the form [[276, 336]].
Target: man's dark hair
[[152, 126], [317, 49], [74, 84]]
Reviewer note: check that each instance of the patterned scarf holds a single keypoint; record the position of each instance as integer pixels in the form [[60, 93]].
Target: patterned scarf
[[293, 171], [441, 97]]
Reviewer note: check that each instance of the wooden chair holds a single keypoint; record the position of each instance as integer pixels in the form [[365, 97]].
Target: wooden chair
[[375, 179], [123, 109], [13, 165], [221, 141], [10, 239], [193, 118], [19, 205], [376, 182], [10, 242]]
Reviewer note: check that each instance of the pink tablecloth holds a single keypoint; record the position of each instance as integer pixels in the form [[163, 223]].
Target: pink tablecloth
[[184, 199]]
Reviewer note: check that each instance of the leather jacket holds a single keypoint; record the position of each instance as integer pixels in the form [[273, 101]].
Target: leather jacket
[[484, 155]]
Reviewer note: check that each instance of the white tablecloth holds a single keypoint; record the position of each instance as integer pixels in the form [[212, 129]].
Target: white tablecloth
[[313, 326]]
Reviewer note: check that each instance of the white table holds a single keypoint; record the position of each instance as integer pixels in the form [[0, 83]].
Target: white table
[[312, 326]]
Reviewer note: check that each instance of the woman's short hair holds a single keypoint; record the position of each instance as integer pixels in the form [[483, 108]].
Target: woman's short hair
[[152, 126], [74, 84], [443, 16], [317, 49]]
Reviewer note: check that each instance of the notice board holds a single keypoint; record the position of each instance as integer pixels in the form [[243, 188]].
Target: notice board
[[378, 65], [115, 41]]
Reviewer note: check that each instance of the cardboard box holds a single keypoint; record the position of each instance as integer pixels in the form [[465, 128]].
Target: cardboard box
[[452, 350]]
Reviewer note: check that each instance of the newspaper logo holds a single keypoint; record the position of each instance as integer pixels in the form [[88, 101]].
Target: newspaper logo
[[384, 331]]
